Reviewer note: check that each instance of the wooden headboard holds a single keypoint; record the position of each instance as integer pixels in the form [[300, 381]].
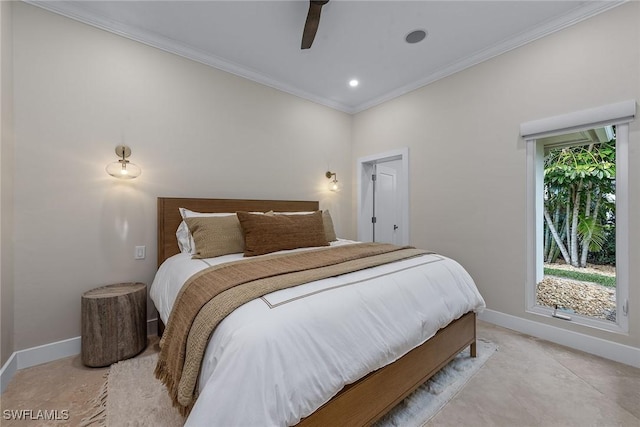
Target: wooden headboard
[[169, 217]]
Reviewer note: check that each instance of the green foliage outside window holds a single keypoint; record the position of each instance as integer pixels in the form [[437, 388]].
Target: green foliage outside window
[[579, 204]]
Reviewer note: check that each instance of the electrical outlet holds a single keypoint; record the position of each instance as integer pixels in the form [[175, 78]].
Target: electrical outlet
[[141, 252]]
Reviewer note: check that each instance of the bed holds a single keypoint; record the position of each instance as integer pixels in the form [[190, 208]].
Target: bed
[[360, 401]]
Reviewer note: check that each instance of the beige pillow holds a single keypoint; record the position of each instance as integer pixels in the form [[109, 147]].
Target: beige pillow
[[185, 239], [216, 236], [329, 231], [270, 233]]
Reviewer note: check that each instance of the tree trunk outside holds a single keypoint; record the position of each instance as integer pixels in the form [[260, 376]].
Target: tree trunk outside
[[574, 226], [587, 239], [567, 231], [554, 233]]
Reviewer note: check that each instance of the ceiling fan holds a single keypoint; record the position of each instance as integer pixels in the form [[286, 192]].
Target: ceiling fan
[[311, 25]]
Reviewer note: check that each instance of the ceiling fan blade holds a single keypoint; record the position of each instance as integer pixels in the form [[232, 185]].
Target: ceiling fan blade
[[311, 25]]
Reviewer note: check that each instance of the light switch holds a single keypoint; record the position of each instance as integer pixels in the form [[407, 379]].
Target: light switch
[[141, 252]]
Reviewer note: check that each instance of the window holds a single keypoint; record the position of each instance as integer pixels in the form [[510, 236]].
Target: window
[[574, 202], [578, 222]]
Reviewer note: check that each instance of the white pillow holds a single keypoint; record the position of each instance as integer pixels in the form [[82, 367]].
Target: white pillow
[[185, 239]]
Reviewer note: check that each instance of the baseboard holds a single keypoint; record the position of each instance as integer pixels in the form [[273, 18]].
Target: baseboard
[[8, 371], [608, 349], [36, 355], [48, 353], [576, 340]]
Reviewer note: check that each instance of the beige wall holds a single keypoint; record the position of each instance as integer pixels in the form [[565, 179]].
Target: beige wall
[[200, 132], [194, 130], [467, 162], [6, 182]]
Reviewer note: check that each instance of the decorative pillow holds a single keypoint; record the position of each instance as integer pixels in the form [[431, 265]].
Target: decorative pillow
[[329, 231], [326, 219], [266, 233], [185, 240], [183, 235], [215, 236], [293, 213]]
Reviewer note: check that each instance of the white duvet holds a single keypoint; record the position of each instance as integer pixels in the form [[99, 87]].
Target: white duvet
[[278, 358]]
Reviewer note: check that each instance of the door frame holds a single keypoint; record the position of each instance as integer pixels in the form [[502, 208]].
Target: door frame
[[363, 217]]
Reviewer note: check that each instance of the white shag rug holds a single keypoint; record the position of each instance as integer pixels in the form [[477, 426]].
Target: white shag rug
[[133, 397]]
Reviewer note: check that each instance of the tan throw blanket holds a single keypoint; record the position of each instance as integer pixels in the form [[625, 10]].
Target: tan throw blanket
[[212, 294]]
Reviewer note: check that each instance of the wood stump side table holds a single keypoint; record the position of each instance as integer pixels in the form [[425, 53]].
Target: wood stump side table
[[114, 323]]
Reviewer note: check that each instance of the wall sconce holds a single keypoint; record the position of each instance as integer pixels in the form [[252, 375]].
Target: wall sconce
[[333, 184], [123, 168]]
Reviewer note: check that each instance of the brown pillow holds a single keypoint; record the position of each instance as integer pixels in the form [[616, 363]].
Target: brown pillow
[[326, 220], [265, 233], [215, 235], [329, 231]]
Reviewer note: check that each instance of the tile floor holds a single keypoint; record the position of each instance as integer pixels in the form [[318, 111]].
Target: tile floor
[[532, 382], [528, 382]]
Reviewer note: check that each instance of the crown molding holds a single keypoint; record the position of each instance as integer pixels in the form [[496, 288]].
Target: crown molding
[[70, 9], [591, 9]]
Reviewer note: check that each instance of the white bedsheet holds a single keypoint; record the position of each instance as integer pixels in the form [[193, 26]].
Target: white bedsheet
[[278, 358]]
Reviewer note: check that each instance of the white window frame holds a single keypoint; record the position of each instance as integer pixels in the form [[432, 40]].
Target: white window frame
[[619, 114]]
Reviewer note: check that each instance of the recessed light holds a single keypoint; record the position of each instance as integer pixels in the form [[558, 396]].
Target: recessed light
[[353, 82], [416, 36]]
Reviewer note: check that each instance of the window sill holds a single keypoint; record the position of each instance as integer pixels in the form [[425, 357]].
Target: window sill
[[603, 325]]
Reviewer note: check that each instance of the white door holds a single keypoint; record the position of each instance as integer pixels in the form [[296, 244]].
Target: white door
[[386, 209], [383, 203]]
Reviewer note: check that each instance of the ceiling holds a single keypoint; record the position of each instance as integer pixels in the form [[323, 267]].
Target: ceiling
[[363, 40]]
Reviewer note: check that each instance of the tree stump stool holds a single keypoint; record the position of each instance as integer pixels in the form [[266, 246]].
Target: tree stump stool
[[114, 323]]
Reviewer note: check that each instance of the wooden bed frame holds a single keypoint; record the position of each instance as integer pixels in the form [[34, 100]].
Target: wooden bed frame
[[369, 398]]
